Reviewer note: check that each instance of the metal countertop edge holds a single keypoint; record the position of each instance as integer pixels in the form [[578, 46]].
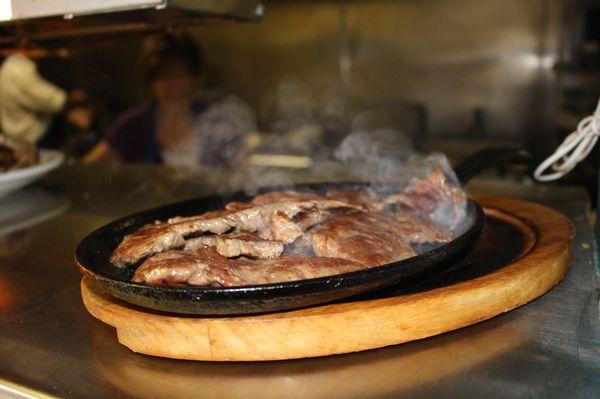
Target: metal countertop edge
[[12, 390]]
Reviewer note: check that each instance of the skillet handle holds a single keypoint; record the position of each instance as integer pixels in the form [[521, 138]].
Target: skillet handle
[[489, 157]]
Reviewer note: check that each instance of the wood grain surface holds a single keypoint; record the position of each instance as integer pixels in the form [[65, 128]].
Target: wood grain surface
[[353, 326]]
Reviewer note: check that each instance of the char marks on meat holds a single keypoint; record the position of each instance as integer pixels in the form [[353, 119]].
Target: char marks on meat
[[205, 241], [163, 236], [289, 235], [159, 237], [246, 244], [426, 196], [418, 230], [368, 238], [205, 267], [281, 228], [148, 240], [366, 199], [237, 244]]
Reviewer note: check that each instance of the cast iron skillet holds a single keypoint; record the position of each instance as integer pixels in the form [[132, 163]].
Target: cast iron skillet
[[92, 257]]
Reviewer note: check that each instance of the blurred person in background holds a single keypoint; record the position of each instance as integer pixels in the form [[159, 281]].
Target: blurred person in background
[[175, 127], [29, 102], [77, 130]]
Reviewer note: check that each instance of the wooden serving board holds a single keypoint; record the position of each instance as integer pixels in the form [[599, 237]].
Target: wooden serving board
[[460, 298]]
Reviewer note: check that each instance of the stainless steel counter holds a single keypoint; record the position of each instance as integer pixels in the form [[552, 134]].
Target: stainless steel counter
[[50, 345]]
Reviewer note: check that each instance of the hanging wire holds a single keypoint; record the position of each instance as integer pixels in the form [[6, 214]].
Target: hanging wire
[[573, 149]]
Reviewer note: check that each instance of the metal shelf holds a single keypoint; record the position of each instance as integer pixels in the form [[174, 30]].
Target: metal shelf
[[65, 19]]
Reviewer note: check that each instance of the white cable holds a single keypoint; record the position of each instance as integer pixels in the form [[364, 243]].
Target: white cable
[[573, 149]]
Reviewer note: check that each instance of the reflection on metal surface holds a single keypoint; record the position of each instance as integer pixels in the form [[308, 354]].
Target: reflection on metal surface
[[362, 375], [29, 207], [8, 390], [19, 212], [6, 296]]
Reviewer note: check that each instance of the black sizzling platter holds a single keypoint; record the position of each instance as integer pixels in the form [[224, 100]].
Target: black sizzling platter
[[92, 256]]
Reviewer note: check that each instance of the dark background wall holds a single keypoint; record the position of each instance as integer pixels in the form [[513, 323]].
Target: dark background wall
[[485, 70]]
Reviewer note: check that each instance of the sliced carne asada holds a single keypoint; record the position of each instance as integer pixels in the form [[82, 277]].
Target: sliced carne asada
[[366, 199], [163, 236], [417, 230], [281, 228], [237, 244], [369, 238], [247, 244], [426, 196], [205, 267]]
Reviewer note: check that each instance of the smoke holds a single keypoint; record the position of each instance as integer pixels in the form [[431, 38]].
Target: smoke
[[385, 158], [302, 122], [250, 180]]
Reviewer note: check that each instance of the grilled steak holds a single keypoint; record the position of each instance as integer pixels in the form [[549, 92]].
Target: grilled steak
[[287, 231], [238, 206], [369, 238], [281, 229], [421, 231], [238, 244], [374, 238], [205, 267], [245, 244], [367, 200], [434, 198], [306, 220], [318, 235], [163, 236], [159, 237], [192, 244]]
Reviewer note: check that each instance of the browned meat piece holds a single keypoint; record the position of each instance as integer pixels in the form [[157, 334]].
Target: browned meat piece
[[170, 268], [281, 229], [192, 244], [238, 206], [369, 238], [147, 240], [421, 231], [426, 196], [368, 200], [206, 267], [306, 220], [163, 236], [246, 244], [237, 244], [285, 230], [258, 217], [159, 237]]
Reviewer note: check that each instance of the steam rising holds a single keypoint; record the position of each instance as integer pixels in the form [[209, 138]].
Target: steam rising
[[385, 157], [385, 160]]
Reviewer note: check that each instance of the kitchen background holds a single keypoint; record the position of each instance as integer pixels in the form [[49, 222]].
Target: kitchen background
[[453, 75]]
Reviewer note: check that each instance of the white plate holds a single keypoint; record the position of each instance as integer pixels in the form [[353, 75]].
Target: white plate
[[29, 207], [15, 179]]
